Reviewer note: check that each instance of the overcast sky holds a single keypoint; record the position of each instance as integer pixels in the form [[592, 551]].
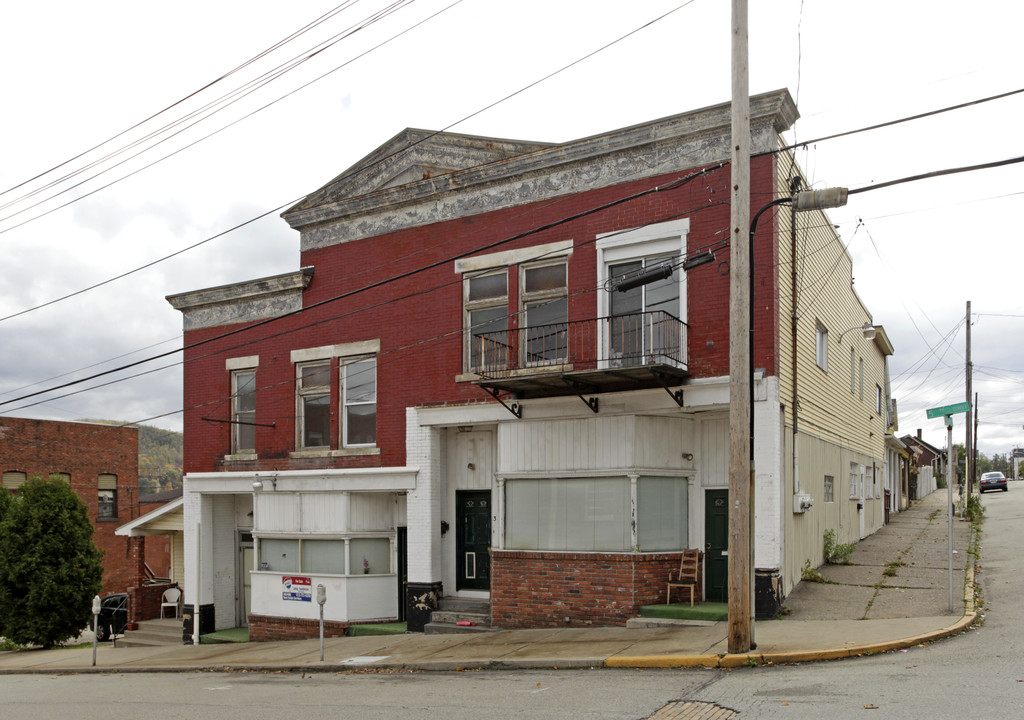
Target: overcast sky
[[77, 74]]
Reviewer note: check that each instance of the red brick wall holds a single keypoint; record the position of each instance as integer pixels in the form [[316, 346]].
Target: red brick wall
[[263, 628], [84, 451], [418, 318], [144, 602], [541, 589]]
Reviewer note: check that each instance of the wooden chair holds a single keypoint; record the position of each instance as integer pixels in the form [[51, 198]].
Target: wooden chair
[[686, 576]]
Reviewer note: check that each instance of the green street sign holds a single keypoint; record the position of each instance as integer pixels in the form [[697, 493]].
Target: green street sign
[[948, 410]]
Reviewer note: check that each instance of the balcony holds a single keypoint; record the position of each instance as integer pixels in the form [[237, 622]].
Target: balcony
[[610, 354]]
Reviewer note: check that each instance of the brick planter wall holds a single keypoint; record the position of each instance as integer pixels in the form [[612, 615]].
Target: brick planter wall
[[542, 589], [263, 628]]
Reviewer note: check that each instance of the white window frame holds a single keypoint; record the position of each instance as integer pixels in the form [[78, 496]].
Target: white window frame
[[659, 239], [347, 366], [542, 296], [495, 302], [346, 353], [821, 345], [878, 399], [303, 393], [242, 420]]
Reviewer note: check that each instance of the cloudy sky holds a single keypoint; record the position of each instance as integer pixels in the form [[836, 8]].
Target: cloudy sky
[[213, 121]]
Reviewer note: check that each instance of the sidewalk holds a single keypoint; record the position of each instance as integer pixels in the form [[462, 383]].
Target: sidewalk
[[863, 608]]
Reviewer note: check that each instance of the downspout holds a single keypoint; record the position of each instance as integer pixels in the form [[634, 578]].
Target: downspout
[[794, 185]]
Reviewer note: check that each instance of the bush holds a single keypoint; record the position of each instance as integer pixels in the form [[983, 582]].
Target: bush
[[50, 569], [837, 553]]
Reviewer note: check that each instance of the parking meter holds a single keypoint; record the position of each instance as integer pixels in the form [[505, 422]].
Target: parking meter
[[321, 598], [97, 605]]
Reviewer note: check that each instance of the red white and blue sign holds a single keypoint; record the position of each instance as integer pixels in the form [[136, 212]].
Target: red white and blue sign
[[297, 588]]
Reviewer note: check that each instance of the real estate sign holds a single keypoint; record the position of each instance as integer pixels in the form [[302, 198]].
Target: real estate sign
[[297, 588]]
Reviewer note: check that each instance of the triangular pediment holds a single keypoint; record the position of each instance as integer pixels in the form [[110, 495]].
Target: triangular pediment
[[413, 156]]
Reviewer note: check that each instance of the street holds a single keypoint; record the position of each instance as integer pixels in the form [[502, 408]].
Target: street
[[977, 674]]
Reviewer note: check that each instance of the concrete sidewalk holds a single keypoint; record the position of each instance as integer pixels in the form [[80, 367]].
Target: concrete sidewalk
[[894, 595]]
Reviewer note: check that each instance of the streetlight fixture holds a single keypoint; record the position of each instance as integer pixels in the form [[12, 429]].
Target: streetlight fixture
[[741, 569]]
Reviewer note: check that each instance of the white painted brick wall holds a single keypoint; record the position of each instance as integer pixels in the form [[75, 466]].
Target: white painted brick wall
[[423, 450]]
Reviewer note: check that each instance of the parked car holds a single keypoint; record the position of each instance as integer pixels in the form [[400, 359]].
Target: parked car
[[992, 481], [113, 616]]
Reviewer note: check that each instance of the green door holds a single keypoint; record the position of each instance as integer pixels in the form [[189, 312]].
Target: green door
[[716, 545], [473, 539]]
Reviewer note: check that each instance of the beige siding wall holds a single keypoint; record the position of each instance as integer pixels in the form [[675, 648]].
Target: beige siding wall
[[836, 419]]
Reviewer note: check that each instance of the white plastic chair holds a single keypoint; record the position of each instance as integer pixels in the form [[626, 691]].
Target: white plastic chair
[[170, 600]]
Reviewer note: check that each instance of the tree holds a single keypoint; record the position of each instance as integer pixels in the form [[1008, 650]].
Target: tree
[[50, 569]]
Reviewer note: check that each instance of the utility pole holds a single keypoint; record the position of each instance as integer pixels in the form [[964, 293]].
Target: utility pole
[[969, 444], [740, 587]]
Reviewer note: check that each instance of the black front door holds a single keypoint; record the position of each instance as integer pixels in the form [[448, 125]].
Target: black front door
[[403, 569], [472, 539], [716, 545]]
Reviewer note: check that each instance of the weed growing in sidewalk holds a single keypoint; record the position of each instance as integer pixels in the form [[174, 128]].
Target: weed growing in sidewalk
[[837, 553], [812, 575]]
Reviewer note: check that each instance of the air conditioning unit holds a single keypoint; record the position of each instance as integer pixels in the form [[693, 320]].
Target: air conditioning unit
[[802, 502]]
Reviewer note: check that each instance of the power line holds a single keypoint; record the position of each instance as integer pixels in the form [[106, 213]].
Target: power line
[[679, 182]]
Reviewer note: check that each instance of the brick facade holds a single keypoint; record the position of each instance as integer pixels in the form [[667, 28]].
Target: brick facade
[[84, 451], [542, 589]]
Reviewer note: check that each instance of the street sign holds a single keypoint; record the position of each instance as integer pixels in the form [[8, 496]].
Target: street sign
[[948, 410]]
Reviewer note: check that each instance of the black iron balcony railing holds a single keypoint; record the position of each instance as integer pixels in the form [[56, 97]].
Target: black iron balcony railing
[[622, 341]]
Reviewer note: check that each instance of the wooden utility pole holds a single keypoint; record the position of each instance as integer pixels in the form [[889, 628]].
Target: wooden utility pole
[[969, 444], [740, 588]]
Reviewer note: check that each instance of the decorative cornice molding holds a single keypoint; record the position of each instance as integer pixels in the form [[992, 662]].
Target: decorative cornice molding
[[658, 147], [242, 302]]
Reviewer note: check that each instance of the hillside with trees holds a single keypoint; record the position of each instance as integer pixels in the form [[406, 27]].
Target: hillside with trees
[[160, 457]]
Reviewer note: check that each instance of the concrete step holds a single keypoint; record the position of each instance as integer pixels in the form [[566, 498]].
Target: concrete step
[[452, 610], [152, 633], [451, 617]]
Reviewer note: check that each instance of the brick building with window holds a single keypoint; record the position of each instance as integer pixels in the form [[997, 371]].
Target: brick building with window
[[501, 373], [101, 463]]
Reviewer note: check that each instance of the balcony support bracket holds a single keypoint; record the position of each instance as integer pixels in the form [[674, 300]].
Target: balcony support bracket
[[676, 395], [515, 408], [579, 388]]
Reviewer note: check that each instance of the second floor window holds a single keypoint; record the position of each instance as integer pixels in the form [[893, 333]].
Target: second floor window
[[821, 346], [486, 304], [349, 383], [360, 401], [545, 314], [644, 320], [243, 411], [107, 496], [314, 401]]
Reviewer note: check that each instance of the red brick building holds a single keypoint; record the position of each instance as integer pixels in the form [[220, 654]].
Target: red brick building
[[500, 373], [101, 463]]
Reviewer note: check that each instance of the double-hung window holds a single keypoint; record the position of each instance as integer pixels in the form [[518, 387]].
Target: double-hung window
[[243, 411], [242, 404], [515, 308], [821, 346], [486, 304], [107, 495], [545, 314], [314, 399], [360, 400], [336, 398]]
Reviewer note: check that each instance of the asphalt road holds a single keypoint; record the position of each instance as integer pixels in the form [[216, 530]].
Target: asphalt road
[[978, 674]]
